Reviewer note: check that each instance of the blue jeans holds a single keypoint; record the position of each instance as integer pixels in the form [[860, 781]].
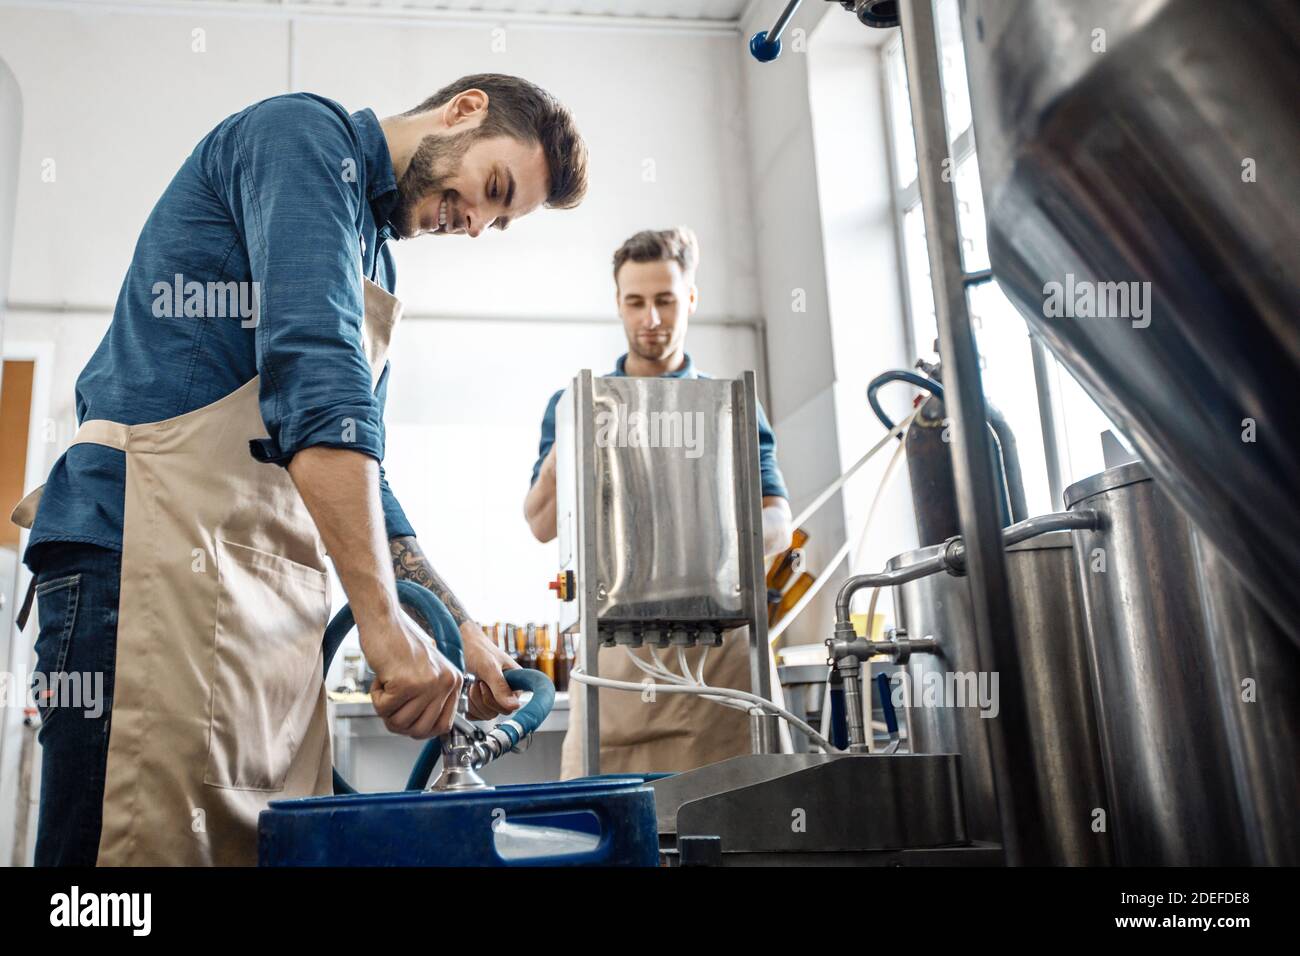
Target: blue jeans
[[77, 590]]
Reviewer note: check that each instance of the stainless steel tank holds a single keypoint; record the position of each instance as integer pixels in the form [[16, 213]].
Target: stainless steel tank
[[1257, 679], [1164, 739], [1063, 734], [1155, 141]]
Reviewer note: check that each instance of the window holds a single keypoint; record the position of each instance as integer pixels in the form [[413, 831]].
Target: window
[[1001, 335]]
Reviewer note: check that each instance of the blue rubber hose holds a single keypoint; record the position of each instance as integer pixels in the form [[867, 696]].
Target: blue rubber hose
[[531, 715], [424, 764], [446, 635], [898, 375]]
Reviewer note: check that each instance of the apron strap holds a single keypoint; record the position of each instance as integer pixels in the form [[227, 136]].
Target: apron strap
[[100, 431], [97, 431]]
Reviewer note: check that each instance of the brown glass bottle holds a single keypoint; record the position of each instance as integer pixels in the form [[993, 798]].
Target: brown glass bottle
[[512, 642], [790, 598], [563, 661], [529, 656], [783, 567], [546, 657]]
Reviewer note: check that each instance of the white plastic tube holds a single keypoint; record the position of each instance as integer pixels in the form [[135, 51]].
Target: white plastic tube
[[708, 692], [839, 482], [839, 556]]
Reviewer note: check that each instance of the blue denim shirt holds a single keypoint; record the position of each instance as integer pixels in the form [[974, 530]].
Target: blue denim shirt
[[769, 471], [289, 198]]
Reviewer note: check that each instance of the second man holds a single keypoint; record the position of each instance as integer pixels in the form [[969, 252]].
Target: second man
[[656, 294]]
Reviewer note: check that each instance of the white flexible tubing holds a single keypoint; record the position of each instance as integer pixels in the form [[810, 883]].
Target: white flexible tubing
[[884, 480], [839, 556], [674, 678], [652, 670], [871, 610], [684, 667], [708, 692], [838, 483], [659, 664]]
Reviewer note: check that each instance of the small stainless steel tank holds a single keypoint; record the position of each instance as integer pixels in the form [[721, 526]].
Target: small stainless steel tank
[[1164, 740], [1063, 733]]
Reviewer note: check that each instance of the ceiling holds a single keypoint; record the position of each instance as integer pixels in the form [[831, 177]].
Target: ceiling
[[714, 10]]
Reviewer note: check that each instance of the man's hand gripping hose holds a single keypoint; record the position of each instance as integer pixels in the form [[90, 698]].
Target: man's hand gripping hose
[[513, 733]]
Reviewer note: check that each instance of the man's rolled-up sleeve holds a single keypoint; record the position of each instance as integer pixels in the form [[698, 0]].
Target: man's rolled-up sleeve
[[769, 471], [288, 187], [548, 435], [395, 521]]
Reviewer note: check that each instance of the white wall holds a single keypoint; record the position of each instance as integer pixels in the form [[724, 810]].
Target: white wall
[[824, 235], [11, 578], [508, 319], [867, 316], [792, 286]]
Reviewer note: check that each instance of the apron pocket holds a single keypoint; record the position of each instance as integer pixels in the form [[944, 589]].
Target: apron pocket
[[56, 610], [266, 684]]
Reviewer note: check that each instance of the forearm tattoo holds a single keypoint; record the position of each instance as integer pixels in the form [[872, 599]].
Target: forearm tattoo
[[410, 563]]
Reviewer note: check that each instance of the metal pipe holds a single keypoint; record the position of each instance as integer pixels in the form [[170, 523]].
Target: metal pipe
[[774, 34], [953, 557], [1047, 418], [900, 649], [1010, 454], [879, 579], [764, 732], [849, 669], [973, 466]]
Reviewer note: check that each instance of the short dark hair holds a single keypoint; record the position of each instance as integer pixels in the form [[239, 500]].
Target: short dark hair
[[527, 112], [677, 245]]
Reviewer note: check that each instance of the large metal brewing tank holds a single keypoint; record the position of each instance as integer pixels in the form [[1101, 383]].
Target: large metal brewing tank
[[1165, 740], [1257, 677], [1127, 166], [1049, 626]]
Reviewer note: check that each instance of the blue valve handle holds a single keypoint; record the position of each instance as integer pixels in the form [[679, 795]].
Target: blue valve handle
[[887, 703], [765, 45], [764, 50]]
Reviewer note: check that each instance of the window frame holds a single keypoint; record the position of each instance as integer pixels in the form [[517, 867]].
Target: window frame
[[905, 197]]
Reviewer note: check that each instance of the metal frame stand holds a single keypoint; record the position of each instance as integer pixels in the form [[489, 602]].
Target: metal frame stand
[[973, 465], [765, 738]]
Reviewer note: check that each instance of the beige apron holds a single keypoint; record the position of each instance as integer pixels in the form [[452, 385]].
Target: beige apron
[[674, 732], [219, 696]]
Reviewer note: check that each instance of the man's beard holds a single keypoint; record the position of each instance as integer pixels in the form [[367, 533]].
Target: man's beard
[[436, 160], [652, 353]]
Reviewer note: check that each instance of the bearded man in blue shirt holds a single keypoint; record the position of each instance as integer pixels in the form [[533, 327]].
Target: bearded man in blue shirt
[[231, 434]]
